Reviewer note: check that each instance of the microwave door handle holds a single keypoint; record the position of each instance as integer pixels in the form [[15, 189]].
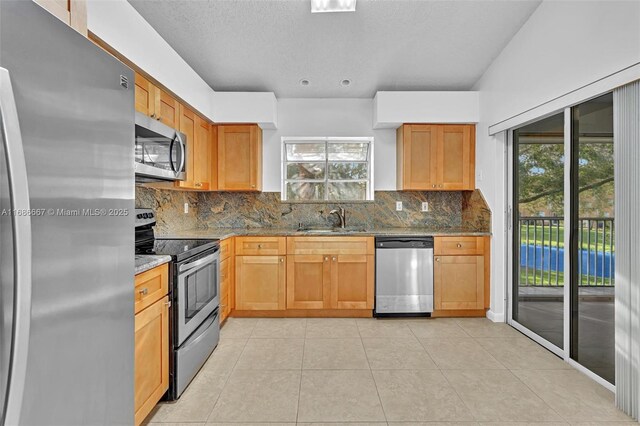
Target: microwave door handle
[[173, 168], [183, 150], [19, 196], [199, 262]]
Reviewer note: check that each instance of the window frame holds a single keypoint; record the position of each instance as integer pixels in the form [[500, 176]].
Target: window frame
[[369, 181]]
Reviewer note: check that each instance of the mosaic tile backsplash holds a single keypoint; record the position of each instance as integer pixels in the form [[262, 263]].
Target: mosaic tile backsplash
[[467, 210]]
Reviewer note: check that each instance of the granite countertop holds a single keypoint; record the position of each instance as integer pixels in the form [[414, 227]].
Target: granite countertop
[[144, 262], [222, 233]]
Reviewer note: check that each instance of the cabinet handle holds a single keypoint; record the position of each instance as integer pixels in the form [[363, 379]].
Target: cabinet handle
[[437, 259], [253, 186], [168, 304], [459, 245], [259, 246], [144, 291], [333, 258], [434, 185], [441, 185], [198, 185], [153, 115], [326, 258], [281, 260]]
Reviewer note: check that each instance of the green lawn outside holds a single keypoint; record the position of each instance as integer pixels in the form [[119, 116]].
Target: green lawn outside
[[548, 279], [554, 237]]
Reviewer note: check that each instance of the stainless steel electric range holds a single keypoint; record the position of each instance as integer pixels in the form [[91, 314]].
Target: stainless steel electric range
[[194, 292]]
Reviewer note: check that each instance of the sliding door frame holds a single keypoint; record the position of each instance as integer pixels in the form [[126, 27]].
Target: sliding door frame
[[513, 244], [569, 236]]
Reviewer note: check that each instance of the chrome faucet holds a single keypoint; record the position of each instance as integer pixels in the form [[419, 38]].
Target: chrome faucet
[[341, 215]]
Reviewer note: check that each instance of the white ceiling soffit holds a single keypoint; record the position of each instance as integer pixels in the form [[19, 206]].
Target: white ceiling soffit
[[271, 45]]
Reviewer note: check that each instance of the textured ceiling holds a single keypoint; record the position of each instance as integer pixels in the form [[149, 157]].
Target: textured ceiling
[[270, 45]]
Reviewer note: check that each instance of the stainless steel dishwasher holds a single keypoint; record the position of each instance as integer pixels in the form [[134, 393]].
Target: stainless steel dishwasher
[[404, 276]]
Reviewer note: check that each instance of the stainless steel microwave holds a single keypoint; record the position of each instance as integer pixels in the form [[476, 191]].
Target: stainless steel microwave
[[160, 151]]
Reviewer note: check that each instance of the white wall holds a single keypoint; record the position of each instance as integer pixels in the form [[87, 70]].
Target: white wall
[[563, 46], [329, 117], [119, 25], [391, 109]]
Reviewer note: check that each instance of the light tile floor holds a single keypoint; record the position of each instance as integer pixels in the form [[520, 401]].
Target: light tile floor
[[377, 372]]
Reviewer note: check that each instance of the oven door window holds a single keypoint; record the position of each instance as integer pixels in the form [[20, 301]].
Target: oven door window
[[197, 297]]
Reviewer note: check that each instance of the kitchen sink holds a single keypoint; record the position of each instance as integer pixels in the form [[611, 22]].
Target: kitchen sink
[[330, 230]]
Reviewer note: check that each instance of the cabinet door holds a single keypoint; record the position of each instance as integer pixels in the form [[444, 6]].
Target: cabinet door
[[213, 158], [417, 151], [260, 282], [225, 286], [167, 109], [456, 157], [308, 282], [458, 282], [352, 278], [188, 127], [71, 12], [239, 158], [202, 154], [151, 365], [145, 96]]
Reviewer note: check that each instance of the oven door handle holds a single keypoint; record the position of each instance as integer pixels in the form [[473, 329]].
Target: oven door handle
[[199, 262]]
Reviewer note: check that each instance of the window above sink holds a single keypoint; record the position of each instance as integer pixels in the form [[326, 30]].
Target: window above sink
[[317, 169]]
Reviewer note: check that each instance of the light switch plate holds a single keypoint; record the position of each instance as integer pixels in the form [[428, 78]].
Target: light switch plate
[[186, 208], [425, 206], [398, 206]]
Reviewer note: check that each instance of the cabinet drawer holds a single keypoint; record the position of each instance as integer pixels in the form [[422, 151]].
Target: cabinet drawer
[[330, 245], [226, 248], [150, 286], [458, 245], [260, 246]]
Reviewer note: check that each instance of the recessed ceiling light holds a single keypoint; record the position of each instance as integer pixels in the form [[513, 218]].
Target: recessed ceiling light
[[346, 82], [304, 82], [319, 6]]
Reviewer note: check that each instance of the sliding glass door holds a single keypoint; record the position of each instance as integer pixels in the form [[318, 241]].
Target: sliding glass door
[[563, 244], [538, 228], [592, 238]]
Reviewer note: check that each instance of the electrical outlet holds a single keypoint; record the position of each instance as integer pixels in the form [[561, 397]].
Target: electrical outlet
[[398, 206], [186, 208], [425, 206]]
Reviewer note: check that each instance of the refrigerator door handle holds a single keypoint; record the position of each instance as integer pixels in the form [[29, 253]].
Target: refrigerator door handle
[[19, 196]]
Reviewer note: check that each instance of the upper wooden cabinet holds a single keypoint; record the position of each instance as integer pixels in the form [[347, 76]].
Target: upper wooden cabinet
[[239, 157], [71, 12], [198, 163], [156, 103], [145, 94], [435, 157]]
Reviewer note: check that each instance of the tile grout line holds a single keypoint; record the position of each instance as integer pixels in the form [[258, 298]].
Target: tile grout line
[[372, 376], [540, 397], [304, 344], [226, 382]]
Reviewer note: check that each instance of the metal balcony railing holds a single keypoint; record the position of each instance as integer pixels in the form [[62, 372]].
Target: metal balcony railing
[[542, 252]]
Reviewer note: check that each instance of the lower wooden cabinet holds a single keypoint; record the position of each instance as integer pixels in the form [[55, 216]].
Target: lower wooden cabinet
[[308, 281], [461, 275], [226, 281], [260, 282], [458, 282], [352, 281], [151, 366], [330, 281]]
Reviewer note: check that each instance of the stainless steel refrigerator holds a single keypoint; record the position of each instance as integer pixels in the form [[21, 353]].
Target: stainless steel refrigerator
[[66, 264]]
